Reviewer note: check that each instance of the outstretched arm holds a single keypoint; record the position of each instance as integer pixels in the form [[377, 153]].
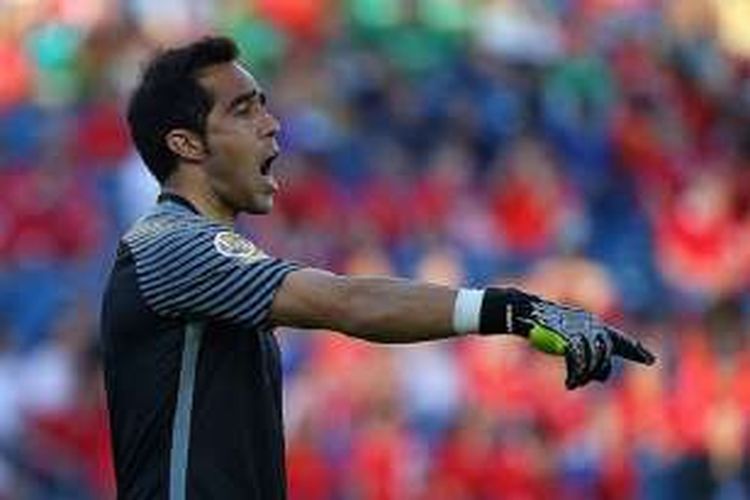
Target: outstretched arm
[[391, 310]]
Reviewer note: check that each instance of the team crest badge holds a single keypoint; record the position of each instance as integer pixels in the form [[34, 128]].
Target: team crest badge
[[232, 244]]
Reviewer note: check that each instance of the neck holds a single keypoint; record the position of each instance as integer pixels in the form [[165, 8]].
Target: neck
[[199, 193]]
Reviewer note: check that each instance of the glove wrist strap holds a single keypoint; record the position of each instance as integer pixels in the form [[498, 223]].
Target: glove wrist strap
[[492, 310], [467, 310]]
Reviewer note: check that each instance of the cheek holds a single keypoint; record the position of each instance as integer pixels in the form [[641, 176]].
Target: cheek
[[236, 146], [237, 139], [235, 154], [234, 157]]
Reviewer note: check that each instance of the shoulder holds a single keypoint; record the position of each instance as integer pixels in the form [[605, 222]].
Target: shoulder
[[167, 232], [186, 264]]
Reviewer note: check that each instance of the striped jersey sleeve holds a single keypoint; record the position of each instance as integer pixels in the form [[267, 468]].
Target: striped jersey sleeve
[[202, 270]]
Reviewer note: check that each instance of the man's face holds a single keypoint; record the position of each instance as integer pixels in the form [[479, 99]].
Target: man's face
[[241, 140]]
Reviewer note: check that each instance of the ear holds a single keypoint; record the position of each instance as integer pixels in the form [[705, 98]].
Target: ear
[[186, 144]]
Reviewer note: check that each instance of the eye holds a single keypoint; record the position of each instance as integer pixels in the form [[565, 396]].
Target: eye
[[250, 106], [243, 109]]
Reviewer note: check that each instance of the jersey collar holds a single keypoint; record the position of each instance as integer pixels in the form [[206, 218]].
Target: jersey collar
[[176, 198]]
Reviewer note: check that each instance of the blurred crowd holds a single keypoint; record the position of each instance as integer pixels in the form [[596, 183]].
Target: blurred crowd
[[594, 151]]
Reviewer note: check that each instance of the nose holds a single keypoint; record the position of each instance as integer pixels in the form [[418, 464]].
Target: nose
[[272, 126]]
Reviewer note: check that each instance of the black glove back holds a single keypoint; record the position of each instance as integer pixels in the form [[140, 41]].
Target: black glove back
[[590, 343], [586, 342]]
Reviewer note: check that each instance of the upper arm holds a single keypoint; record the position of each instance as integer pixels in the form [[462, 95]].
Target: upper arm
[[310, 298], [210, 273]]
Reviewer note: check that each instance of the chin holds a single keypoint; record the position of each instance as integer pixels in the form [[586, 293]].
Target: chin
[[259, 207]]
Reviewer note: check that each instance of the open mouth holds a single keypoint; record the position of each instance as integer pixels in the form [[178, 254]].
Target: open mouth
[[265, 167]]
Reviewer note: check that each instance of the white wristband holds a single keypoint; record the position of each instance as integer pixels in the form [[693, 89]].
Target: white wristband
[[467, 310]]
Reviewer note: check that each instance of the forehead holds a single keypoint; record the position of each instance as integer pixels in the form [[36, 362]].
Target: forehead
[[226, 81]]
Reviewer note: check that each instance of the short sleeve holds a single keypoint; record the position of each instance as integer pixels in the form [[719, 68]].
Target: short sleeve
[[207, 272]]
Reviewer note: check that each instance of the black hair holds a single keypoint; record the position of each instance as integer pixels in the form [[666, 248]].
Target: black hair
[[169, 96]]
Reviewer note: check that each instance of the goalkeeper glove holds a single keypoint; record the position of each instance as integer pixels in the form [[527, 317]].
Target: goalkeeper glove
[[587, 343]]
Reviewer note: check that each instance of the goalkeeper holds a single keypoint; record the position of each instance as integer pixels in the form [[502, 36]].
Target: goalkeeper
[[192, 367]]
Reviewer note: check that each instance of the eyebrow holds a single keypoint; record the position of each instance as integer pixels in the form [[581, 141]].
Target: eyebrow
[[244, 97]]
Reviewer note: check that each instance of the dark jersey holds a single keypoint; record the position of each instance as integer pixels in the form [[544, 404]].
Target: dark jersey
[[191, 364]]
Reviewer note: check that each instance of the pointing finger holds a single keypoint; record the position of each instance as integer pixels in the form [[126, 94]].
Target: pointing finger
[[630, 349]]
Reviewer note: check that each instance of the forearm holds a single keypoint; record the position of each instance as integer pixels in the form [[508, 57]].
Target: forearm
[[393, 311], [378, 309]]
